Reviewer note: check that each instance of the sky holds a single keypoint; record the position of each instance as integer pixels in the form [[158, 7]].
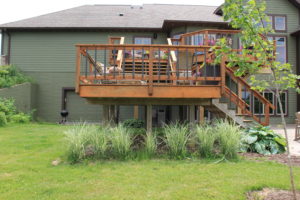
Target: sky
[[13, 10]]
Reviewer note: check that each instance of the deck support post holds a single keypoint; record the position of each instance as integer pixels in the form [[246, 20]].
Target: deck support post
[[149, 118], [105, 114], [112, 114], [136, 112], [239, 85], [201, 115], [192, 114]]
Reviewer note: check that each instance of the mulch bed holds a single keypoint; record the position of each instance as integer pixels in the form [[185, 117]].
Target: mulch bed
[[281, 158], [271, 194]]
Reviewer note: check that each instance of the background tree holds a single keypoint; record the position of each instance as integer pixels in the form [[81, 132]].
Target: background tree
[[249, 16]]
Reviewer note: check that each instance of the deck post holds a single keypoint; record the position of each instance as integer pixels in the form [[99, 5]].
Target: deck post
[[136, 112], [105, 114], [112, 114], [149, 118], [201, 115], [192, 114]]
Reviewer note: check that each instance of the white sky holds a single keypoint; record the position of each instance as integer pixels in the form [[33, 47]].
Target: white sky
[[13, 10]]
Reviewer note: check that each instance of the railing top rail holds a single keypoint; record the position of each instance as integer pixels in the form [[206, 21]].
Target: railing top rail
[[209, 31], [141, 46]]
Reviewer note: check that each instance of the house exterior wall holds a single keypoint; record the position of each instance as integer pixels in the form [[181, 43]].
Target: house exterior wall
[[49, 58], [284, 7]]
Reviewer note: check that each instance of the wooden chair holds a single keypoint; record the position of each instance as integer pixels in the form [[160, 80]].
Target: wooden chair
[[297, 130]]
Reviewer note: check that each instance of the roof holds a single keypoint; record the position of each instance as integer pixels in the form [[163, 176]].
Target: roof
[[120, 16], [295, 2]]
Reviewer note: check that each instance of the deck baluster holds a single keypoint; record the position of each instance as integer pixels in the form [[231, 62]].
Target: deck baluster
[[143, 54], [105, 63], [159, 65], [124, 63], [95, 71], [86, 63], [114, 62], [133, 63]]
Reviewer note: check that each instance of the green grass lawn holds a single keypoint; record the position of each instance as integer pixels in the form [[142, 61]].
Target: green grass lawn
[[26, 152]]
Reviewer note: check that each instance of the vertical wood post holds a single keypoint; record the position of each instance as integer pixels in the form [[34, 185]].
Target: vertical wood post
[[150, 86], [223, 74], [239, 85], [112, 114], [105, 114], [149, 118], [201, 114], [192, 114], [136, 112]]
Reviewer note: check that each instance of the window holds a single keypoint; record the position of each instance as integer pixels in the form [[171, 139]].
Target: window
[[259, 108], [281, 48], [283, 97], [277, 22], [142, 40]]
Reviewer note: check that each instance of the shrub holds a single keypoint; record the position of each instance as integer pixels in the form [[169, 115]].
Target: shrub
[[150, 144], [20, 118], [121, 142], [176, 138], [10, 76], [7, 106], [134, 123], [229, 137], [206, 138], [3, 120], [263, 140]]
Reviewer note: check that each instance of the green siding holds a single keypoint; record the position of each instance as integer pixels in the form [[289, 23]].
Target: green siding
[[284, 7]]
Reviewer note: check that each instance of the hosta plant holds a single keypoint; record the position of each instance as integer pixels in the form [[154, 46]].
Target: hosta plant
[[263, 140]]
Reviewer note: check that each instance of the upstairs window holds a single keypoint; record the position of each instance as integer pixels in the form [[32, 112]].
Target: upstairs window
[[142, 40], [277, 22]]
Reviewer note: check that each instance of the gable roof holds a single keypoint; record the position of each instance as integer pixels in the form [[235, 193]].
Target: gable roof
[[119, 16], [295, 2]]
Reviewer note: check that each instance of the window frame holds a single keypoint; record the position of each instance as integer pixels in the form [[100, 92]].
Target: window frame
[[273, 22], [142, 36], [286, 44], [276, 112]]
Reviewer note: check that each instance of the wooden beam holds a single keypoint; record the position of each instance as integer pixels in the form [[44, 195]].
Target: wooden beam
[[141, 91], [149, 118]]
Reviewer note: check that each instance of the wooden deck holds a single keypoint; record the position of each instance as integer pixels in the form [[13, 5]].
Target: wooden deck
[[183, 73]]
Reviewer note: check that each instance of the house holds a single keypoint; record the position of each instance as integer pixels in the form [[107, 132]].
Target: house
[[151, 62]]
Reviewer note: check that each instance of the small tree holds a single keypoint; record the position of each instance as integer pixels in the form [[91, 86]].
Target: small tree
[[249, 16]]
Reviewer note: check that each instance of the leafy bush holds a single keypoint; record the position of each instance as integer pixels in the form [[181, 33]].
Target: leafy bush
[[3, 120], [134, 123], [150, 144], [263, 140], [7, 106], [206, 138], [229, 138], [10, 76], [176, 138], [121, 142]]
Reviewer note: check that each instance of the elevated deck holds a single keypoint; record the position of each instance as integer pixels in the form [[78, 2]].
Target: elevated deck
[[179, 72]]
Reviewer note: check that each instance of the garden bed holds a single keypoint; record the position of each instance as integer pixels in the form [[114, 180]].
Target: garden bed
[[271, 194], [280, 158]]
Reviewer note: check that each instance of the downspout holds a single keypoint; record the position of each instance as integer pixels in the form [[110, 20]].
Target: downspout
[[298, 68], [2, 42]]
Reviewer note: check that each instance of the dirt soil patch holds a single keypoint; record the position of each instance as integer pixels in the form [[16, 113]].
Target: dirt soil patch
[[271, 194], [281, 158]]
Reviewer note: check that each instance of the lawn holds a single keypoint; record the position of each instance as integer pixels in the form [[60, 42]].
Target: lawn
[[26, 153]]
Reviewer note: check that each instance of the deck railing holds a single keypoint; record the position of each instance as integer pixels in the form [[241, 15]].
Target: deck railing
[[146, 65]]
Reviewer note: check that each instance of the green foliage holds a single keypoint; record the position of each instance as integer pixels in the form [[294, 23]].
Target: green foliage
[[248, 16], [229, 137], [3, 120], [121, 141], [263, 140], [134, 123], [176, 138], [85, 141], [150, 144], [10, 76], [206, 138], [7, 106]]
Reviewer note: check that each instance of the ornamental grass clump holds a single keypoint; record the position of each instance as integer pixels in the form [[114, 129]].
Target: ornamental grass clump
[[86, 141], [229, 137], [206, 138], [150, 144], [120, 142], [176, 137]]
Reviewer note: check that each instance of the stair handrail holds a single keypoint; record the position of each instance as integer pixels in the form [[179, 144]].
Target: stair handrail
[[172, 59], [242, 104]]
